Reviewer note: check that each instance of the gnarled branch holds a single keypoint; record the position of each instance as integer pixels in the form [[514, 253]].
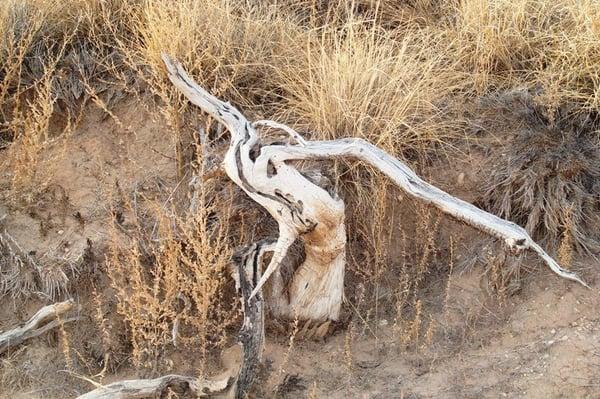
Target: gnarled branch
[[303, 209], [38, 324]]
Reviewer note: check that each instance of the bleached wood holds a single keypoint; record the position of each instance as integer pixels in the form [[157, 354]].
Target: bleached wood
[[43, 320], [144, 388], [514, 236], [302, 208]]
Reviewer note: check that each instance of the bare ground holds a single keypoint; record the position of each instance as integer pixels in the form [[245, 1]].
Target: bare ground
[[547, 346]]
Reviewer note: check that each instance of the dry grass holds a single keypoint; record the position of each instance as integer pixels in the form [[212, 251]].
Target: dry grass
[[169, 280], [362, 81], [392, 73]]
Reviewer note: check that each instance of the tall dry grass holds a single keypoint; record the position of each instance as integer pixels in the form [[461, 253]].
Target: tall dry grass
[[359, 80], [168, 273], [378, 69]]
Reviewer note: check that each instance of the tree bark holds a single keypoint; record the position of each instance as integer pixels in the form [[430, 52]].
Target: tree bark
[[303, 209]]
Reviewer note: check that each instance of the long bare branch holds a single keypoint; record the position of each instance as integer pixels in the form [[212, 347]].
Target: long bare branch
[[44, 320], [513, 235]]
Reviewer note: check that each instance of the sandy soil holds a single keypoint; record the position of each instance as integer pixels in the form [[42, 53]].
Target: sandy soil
[[543, 344]]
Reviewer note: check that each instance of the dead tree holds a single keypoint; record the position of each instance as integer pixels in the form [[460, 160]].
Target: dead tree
[[305, 210]]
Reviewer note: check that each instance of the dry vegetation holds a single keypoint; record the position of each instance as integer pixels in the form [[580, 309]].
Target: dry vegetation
[[422, 79]]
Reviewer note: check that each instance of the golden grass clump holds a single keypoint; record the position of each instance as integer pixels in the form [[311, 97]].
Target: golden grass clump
[[497, 36], [531, 42], [361, 81], [229, 47]]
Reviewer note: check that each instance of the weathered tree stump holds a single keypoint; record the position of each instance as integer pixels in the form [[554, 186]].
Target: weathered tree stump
[[304, 209]]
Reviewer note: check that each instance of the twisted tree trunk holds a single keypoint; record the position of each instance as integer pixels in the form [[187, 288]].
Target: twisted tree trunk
[[304, 209]]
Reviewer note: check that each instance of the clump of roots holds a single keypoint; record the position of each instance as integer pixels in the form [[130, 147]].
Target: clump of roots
[[547, 176]]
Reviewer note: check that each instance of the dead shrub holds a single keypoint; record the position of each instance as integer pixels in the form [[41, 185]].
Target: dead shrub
[[169, 278], [545, 177], [18, 270], [360, 81]]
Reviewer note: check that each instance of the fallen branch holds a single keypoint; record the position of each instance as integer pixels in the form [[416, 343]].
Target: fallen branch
[[37, 325], [129, 389]]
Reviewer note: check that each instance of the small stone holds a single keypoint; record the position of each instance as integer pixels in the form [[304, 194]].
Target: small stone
[[551, 342], [60, 232], [553, 331], [383, 323]]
